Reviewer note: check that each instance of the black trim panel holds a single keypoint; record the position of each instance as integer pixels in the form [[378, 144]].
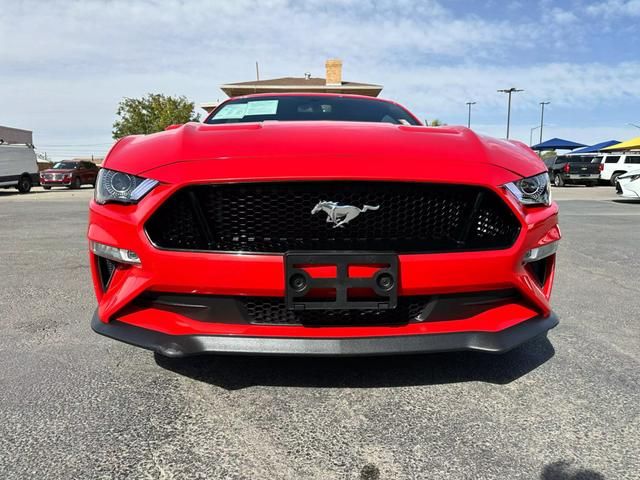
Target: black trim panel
[[274, 311], [186, 345]]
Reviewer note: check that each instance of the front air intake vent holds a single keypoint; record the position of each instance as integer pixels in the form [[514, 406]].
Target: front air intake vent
[[106, 269]]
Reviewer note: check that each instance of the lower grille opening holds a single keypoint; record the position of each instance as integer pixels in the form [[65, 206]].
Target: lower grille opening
[[273, 311]]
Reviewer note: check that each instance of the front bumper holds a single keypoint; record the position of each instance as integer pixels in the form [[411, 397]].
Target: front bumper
[[120, 314], [187, 345], [55, 183]]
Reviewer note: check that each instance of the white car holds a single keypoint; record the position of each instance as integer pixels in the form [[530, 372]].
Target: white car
[[614, 165], [628, 185]]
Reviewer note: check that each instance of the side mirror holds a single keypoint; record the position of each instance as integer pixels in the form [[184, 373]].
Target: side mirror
[[173, 126]]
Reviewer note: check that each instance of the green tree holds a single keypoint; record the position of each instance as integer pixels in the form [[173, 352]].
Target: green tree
[[152, 113], [435, 123]]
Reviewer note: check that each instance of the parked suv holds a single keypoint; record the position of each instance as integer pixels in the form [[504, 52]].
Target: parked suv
[[616, 164], [72, 174], [575, 169]]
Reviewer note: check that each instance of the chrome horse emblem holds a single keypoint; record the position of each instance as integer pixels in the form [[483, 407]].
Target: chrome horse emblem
[[340, 215]]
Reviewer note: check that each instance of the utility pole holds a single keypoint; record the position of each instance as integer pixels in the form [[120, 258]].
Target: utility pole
[[542, 104], [469, 116], [509, 91]]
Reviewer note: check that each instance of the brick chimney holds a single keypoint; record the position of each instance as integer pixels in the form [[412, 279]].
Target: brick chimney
[[334, 71]]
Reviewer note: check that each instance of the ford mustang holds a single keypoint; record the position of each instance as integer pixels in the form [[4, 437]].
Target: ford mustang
[[321, 224]]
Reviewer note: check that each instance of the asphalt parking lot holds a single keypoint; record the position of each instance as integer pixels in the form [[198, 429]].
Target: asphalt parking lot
[[77, 405]]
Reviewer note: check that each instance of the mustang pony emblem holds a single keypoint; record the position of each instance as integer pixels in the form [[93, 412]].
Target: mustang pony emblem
[[340, 215]]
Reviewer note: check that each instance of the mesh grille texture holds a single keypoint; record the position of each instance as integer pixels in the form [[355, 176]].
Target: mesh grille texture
[[276, 217]]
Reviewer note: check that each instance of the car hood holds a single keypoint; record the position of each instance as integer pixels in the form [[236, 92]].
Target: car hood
[[316, 149]]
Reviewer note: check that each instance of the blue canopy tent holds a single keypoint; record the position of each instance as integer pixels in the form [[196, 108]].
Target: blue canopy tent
[[595, 148], [558, 144]]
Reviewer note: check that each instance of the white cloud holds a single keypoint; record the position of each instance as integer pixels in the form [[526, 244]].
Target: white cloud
[[614, 8], [67, 64], [563, 17], [146, 34], [566, 84]]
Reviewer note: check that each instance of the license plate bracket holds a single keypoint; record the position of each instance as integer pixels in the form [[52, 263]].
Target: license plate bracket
[[383, 283]]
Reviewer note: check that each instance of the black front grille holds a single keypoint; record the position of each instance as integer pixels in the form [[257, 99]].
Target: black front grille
[[276, 217]]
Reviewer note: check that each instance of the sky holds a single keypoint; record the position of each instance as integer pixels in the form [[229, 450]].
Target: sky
[[65, 65]]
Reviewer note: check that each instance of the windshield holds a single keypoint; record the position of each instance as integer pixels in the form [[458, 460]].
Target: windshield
[[306, 107], [65, 165]]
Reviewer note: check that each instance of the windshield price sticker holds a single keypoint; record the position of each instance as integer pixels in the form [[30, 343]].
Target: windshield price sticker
[[262, 107], [234, 110]]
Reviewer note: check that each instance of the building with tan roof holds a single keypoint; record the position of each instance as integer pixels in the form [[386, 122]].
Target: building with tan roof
[[332, 83]]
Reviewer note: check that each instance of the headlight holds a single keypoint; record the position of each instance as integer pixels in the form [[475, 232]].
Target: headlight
[[532, 190], [631, 178], [112, 186]]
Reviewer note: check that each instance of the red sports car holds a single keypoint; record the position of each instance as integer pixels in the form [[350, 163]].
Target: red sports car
[[311, 224]]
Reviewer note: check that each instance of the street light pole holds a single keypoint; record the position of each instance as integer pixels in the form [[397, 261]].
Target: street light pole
[[509, 91], [533, 129], [469, 116], [542, 104]]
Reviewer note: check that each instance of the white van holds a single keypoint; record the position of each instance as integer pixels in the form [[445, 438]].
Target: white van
[[615, 164], [18, 167]]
